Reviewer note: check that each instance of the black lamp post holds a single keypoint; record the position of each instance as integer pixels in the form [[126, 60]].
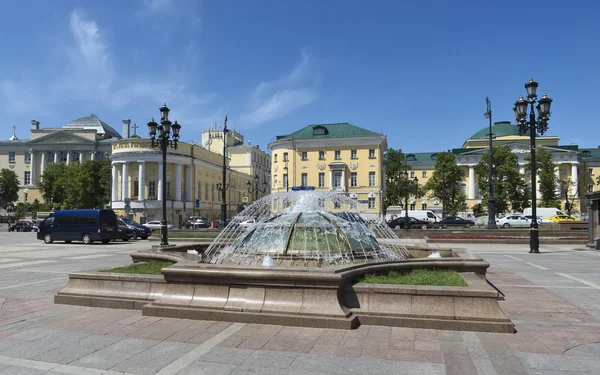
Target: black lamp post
[[163, 140], [254, 189], [491, 209], [411, 186], [564, 189], [224, 186], [533, 125]]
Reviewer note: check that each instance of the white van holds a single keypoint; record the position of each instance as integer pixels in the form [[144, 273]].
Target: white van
[[543, 212], [425, 215]]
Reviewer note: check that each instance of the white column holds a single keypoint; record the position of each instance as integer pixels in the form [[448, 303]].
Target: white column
[[33, 178], [43, 163], [114, 196], [522, 171], [471, 182], [68, 157], [343, 179], [141, 180], [125, 181], [189, 183], [81, 157], [160, 182], [178, 182], [93, 155], [557, 172], [56, 155], [330, 179], [574, 175]]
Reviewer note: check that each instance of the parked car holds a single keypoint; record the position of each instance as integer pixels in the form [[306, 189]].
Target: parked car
[[125, 233], [138, 229], [516, 221], [194, 222], [155, 225], [562, 218], [247, 223], [400, 223], [541, 220], [454, 221], [79, 225], [23, 226]]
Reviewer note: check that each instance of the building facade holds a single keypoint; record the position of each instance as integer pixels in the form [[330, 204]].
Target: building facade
[[87, 138], [341, 158]]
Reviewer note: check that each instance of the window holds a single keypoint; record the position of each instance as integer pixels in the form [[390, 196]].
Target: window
[[28, 157], [274, 158], [27, 178], [304, 155], [412, 206], [371, 202], [99, 155], [136, 188], [353, 179], [304, 179], [321, 179], [26, 196], [412, 174], [168, 189], [321, 155], [337, 178], [590, 188], [51, 156], [285, 180], [563, 171], [424, 174], [63, 156], [11, 157], [337, 154], [76, 156], [411, 158], [206, 191], [213, 192], [152, 189], [48, 201], [371, 154], [285, 156], [423, 206], [320, 130], [371, 178], [353, 154], [590, 170]]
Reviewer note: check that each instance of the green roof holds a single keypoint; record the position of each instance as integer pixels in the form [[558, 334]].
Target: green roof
[[499, 129], [421, 157], [325, 131], [594, 153]]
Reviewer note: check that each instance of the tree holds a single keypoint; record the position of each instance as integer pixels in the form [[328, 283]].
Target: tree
[[509, 185], [53, 183], [548, 181], [395, 166], [447, 178], [583, 181], [9, 186]]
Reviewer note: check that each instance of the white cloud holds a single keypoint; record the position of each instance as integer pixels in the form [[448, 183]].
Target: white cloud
[[173, 9], [273, 100]]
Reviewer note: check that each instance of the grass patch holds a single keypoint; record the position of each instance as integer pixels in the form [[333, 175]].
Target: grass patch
[[150, 268], [418, 276]]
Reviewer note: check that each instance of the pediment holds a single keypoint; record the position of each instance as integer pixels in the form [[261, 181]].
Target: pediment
[[61, 137]]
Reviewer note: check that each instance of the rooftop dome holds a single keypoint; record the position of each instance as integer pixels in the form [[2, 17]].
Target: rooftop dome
[[499, 129], [93, 122]]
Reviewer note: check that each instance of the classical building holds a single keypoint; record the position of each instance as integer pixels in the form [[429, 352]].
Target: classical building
[[87, 138], [341, 158], [570, 160]]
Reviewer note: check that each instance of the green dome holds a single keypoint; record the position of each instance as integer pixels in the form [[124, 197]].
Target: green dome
[[499, 129]]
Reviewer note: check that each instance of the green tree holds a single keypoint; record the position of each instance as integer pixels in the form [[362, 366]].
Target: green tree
[[9, 186], [584, 179], [510, 190], [447, 177], [547, 178], [395, 166], [53, 183]]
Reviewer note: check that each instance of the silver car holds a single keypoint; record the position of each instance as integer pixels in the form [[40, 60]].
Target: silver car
[[515, 221]]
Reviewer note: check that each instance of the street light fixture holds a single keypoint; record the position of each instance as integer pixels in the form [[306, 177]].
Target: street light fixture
[[253, 188], [160, 136], [533, 125], [491, 208]]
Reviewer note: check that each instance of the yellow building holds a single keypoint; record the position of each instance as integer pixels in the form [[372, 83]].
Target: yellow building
[[570, 161], [341, 158]]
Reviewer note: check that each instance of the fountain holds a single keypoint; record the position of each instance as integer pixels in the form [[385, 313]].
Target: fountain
[[294, 259]]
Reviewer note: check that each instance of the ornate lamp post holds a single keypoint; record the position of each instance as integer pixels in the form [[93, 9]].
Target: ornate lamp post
[[491, 209], [163, 140], [254, 189], [532, 125], [223, 186]]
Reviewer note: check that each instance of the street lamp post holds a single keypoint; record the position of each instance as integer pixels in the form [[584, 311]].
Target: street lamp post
[[224, 177], [163, 140], [491, 209], [254, 189], [533, 125]]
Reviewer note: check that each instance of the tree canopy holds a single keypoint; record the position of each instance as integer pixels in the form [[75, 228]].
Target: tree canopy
[[548, 182], [447, 177], [9, 186], [395, 166], [510, 189]]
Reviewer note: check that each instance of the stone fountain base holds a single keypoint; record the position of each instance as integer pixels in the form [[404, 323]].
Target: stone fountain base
[[313, 297]]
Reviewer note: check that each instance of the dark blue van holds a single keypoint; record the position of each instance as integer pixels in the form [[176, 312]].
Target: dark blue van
[[79, 225]]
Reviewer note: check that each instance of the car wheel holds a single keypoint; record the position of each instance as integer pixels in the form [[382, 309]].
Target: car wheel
[[424, 226], [506, 225], [397, 227], [467, 226], [48, 238], [125, 239], [105, 241], [87, 239], [144, 237]]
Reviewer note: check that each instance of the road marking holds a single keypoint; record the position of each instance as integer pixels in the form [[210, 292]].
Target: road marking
[[514, 258], [92, 256], [55, 367], [41, 271], [200, 350], [542, 286], [6, 260], [32, 283], [19, 264], [536, 266], [595, 286]]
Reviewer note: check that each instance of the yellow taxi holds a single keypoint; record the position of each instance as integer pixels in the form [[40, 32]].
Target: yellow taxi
[[562, 218]]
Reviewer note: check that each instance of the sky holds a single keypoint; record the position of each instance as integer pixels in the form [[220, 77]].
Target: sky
[[417, 71]]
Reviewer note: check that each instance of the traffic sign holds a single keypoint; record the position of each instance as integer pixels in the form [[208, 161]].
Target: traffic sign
[[245, 199], [197, 203]]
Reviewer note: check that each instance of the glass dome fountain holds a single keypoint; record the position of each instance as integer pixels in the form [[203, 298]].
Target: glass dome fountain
[[305, 229]]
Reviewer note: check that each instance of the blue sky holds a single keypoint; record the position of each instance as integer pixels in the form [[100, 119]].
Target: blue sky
[[416, 71]]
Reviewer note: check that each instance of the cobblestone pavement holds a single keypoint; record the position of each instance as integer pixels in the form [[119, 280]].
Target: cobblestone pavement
[[553, 298]]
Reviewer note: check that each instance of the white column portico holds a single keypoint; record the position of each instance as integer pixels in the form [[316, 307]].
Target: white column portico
[[471, 182], [189, 183], [125, 181], [33, 178], [141, 180], [81, 157], [93, 155], [178, 182], [574, 177], [115, 183], [557, 173], [68, 157], [344, 179], [159, 193], [56, 155], [43, 163]]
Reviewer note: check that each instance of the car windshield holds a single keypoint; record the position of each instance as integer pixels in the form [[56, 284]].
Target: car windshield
[[130, 222]]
